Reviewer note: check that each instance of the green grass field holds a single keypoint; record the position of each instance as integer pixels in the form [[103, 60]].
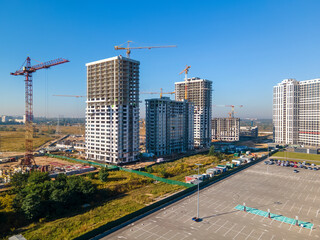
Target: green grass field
[[295, 155], [124, 193]]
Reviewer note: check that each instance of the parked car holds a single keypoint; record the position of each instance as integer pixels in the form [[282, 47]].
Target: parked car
[[295, 171]]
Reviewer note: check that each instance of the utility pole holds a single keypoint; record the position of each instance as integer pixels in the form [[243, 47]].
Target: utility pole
[[197, 219]]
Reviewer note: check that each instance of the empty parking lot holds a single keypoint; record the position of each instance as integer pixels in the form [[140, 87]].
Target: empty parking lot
[[261, 186]]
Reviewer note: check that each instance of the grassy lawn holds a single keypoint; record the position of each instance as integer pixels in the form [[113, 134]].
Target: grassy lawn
[[295, 155], [177, 170], [124, 193]]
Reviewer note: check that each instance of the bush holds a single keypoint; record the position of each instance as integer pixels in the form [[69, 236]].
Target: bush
[[92, 175], [103, 174]]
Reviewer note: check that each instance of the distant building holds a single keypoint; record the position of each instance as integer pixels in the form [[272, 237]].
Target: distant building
[[296, 112], [226, 129], [169, 126], [19, 120], [112, 114], [199, 92], [247, 132], [4, 119], [65, 144]]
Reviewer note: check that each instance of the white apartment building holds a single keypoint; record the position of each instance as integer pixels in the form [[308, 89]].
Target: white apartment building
[[199, 92], [169, 126], [112, 113], [296, 112]]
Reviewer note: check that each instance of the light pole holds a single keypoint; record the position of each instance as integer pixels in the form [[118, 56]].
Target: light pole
[[197, 219]]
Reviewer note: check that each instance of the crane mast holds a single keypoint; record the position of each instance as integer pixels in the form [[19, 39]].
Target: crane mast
[[26, 70], [185, 71]]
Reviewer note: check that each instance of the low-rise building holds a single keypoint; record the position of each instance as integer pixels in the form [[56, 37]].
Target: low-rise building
[[249, 132]]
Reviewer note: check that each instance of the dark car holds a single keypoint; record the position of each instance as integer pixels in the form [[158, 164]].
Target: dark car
[[315, 168], [310, 168], [295, 171]]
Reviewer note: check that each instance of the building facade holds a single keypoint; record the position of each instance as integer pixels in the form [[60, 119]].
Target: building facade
[[296, 112], [169, 126], [199, 92], [112, 113], [226, 129], [247, 132]]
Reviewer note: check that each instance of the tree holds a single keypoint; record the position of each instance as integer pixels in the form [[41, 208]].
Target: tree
[[103, 174], [211, 151], [31, 206], [19, 180], [38, 177]]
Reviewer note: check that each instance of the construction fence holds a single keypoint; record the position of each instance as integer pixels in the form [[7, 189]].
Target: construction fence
[[111, 167]]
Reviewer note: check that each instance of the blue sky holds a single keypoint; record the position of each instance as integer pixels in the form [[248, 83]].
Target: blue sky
[[244, 47]]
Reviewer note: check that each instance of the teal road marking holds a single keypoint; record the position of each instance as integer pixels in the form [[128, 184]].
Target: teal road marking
[[276, 217]]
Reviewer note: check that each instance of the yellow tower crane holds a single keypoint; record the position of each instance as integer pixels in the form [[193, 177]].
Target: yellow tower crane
[[161, 92], [128, 48]]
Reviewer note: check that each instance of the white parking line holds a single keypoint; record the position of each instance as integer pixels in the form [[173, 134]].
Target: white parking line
[[285, 204], [307, 197], [292, 207], [213, 224], [229, 230], [173, 236], [164, 235], [300, 209], [249, 234], [239, 232], [308, 210], [260, 235], [221, 226]]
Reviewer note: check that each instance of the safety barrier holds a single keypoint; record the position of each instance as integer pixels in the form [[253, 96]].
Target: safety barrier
[[111, 167]]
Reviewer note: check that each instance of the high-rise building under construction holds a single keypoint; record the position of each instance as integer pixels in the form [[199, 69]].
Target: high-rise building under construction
[[199, 92], [112, 113], [169, 126], [226, 129]]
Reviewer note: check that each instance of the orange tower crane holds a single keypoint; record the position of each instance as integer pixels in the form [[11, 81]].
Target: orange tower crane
[[231, 114], [185, 71], [128, 48], [27, 70]]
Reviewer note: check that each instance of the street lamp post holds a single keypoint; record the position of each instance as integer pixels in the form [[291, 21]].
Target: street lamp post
[[197, 219]]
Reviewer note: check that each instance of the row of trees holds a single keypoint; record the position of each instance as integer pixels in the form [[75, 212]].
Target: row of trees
[[37, 196]]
